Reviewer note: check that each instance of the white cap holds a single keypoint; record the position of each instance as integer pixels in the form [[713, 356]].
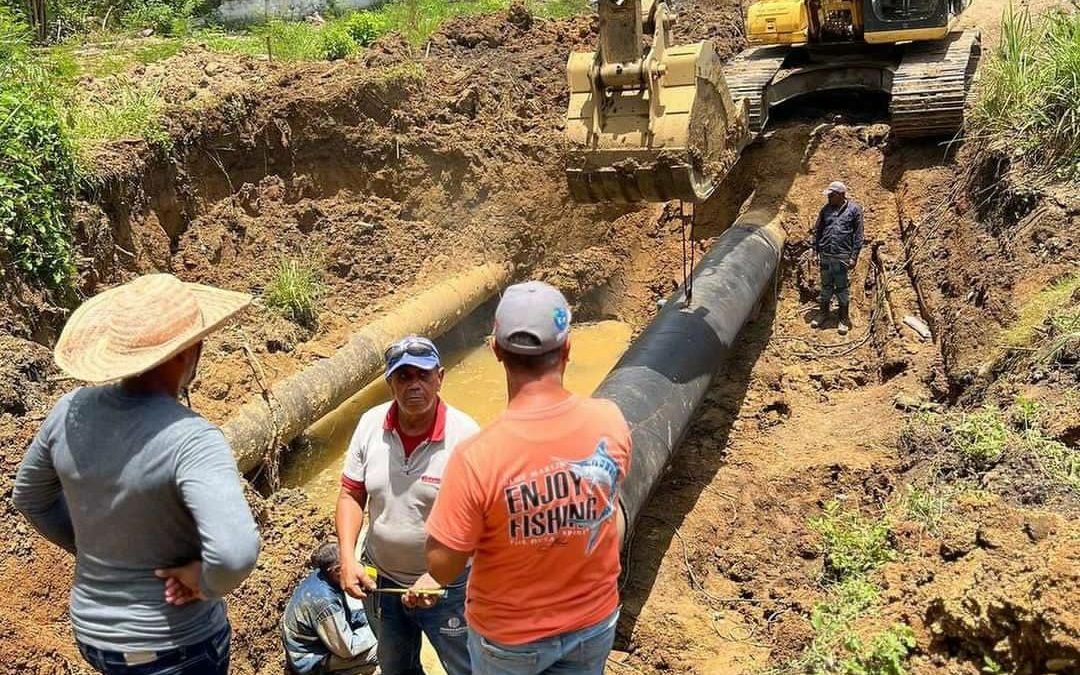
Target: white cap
[[835, 186]]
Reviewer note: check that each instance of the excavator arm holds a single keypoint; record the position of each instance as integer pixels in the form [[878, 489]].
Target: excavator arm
[[652, 123]]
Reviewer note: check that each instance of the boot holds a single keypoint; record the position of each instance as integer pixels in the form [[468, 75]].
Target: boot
[[845, 321], [822, 313]]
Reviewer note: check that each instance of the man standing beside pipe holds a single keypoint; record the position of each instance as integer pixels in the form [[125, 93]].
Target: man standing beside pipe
[[533, 499], [838, 238], [143, 491], [394, 468]]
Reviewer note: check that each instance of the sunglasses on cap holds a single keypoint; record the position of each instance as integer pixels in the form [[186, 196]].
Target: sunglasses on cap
[[414, 347]]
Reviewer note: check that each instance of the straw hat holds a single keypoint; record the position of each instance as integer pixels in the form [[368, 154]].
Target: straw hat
[[130, 329]]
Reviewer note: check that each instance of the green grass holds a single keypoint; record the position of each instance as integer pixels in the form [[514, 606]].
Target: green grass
[[130, 110], [560, 9], [1062, 342], [1034, 312], [294, 291], [1028, 100], [926, 506], [418, 19], [854, 545], [1058, 461]]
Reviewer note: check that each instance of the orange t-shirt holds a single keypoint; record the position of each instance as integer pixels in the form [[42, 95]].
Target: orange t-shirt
[[533, 498]]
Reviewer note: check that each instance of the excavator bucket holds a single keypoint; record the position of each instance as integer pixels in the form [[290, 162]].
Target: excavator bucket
[[676, 136]]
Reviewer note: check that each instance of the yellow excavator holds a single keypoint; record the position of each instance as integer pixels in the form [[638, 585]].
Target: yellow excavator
[[660, 122]]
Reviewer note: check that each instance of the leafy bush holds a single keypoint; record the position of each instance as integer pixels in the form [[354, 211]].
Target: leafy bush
[[37, 168], [336, 43], [1028, 101], [294, 291], [854, 545], [365, 27], [156, 15]]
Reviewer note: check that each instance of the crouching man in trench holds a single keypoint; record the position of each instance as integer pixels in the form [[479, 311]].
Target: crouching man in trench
[[141, 490], [321, 633], [393, 469]]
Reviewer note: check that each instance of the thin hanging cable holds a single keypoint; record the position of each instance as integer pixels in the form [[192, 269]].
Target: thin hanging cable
[[687, 257]]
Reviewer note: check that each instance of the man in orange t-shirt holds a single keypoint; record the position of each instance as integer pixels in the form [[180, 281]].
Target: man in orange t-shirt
[[533, 499]]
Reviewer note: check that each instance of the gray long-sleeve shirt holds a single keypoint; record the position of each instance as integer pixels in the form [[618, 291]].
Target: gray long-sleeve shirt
[[130, 483]]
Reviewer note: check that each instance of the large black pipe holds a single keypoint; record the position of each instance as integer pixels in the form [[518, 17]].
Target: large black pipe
[[663, 377]]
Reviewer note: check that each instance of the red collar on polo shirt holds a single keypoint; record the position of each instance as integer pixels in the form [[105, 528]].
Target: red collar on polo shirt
[[436, 434]]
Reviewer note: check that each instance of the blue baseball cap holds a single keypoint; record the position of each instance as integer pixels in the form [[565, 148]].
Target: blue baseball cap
[[411, 350]]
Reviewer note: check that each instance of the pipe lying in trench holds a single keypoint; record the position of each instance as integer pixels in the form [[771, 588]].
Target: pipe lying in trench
[[296, 402], [663, 377]]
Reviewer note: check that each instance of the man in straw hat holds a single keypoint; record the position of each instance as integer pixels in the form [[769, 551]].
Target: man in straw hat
[[141, 490]]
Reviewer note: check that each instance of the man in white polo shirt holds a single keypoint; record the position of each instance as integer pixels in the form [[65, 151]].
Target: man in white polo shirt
[[394, 468]]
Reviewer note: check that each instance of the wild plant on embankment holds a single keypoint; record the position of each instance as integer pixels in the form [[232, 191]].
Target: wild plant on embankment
[[1028, 97], [37, 168]]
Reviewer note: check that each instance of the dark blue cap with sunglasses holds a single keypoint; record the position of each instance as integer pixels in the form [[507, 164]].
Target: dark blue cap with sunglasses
[[412, 350]]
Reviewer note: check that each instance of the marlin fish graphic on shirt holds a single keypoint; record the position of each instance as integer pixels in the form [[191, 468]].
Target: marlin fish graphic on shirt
[[567, 495], [600, 471]]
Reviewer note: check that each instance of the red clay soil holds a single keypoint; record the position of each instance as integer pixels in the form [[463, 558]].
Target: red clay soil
[[387, 175]]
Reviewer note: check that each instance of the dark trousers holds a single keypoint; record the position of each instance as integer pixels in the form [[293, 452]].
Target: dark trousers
[[834, 279], [209, 657], [399, 630]]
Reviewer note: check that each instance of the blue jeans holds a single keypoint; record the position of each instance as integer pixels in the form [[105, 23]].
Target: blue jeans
[[399, 630], [209, 657], [834, 279], [579, 652]]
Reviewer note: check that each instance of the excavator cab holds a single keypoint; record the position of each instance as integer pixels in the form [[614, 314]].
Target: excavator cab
[[649, 124], [800, 22]]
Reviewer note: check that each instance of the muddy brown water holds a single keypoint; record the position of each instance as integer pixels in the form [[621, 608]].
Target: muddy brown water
[[474, 383]]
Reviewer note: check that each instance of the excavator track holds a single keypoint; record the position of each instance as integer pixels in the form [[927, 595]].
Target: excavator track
[[748, 76], [931, 85]]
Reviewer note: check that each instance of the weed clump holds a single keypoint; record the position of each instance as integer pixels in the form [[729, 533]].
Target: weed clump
[[980, 436], [839, 647], [925, 506], [1005, 451], [294, 291], [854, 545]]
